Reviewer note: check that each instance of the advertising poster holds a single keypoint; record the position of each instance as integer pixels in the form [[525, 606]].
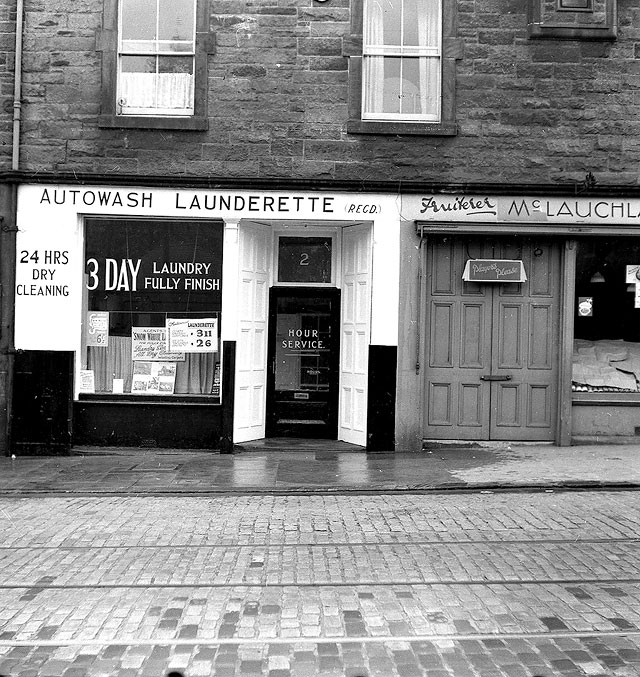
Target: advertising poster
[[193, 336], [87, 381], [97, 327], [153, 378], [149, 344], [215, 390]]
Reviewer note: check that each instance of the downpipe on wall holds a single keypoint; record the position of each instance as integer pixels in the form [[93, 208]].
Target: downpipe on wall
[[17, 87]]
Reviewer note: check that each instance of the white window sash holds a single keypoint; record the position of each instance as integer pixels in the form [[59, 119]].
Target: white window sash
[[169, 94], [393, 50], [157, 47], [428, 54]]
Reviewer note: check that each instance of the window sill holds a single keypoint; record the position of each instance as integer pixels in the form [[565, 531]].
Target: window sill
[[127, 398], [400, 128], [148, 122], [563, 32], [606, 399]]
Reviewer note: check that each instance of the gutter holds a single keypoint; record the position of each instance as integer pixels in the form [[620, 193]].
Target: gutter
[[565, 190]]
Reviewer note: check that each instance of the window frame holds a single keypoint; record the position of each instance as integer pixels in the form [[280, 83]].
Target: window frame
[[304, 232], [451, 49], [539, 29], [107, 42], [156, 52], [405, 52], [105, 221], [612, 249]]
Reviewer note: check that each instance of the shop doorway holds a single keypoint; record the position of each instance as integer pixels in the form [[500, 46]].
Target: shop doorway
[[491, 347], [302, 381]]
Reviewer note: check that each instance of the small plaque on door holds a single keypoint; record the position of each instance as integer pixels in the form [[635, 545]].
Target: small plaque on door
[[494, 270], [300, 396]]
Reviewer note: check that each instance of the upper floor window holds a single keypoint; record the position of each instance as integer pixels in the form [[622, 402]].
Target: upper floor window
[[401, 69], [156, 57], [155, 63]]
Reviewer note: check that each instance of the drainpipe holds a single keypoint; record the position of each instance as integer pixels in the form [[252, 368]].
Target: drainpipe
[[17, 87], [419, 308]]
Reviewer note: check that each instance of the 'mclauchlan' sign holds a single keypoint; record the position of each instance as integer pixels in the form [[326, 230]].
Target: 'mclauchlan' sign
[[494, 270]]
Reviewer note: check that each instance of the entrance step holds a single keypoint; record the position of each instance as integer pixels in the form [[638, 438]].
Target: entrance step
[[488, 445], [298, 444]]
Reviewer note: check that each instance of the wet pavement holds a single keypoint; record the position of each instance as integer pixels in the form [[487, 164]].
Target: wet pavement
[[307, 467]]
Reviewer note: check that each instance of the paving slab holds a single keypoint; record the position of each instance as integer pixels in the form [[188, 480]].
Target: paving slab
[[323, 467]]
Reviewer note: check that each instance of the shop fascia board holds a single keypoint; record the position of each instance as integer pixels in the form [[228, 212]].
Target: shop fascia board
[[424, 228]]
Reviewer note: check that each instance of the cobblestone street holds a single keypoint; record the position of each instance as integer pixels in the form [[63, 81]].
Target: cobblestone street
[[460, 585]]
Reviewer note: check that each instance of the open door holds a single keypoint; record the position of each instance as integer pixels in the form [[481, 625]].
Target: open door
[[355, 333], [251, 352]]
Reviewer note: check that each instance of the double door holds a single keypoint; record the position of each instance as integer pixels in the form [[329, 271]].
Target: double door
[[491, 347]]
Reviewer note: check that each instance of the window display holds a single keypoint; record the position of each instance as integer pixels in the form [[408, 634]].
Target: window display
[[153, 295], [606, 354]]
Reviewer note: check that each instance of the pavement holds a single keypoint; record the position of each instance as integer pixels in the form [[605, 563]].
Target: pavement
[[298, 466]]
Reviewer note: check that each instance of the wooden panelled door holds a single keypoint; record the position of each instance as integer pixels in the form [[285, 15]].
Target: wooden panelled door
[[251, 357], [492, 348]]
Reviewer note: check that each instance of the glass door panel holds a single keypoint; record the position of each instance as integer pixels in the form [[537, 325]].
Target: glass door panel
[[304, 347]]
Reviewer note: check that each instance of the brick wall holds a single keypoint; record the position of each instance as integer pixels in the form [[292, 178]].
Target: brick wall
[[528, 111]]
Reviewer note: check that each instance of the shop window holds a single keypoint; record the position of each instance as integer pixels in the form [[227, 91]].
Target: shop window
[[154, 64], [402, 67], [607, 323], [152, 310]]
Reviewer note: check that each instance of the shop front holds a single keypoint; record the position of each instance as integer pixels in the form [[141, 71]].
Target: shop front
[[526, 312], [202, 319]]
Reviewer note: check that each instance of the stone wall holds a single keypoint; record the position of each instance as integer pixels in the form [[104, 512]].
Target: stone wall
[[545, 111]]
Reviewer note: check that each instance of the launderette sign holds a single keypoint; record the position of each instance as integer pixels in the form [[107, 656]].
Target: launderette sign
[[494, 270]]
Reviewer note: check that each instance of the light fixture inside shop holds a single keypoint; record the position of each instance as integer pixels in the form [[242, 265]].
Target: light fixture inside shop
[[597, 278]]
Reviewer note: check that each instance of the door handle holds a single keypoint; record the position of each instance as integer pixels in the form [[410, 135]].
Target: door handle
[[496, 377]]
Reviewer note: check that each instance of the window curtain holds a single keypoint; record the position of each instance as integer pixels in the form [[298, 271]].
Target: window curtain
[[194, 376], [157, 90], [428, 28], [112, 361], [373, 71]]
